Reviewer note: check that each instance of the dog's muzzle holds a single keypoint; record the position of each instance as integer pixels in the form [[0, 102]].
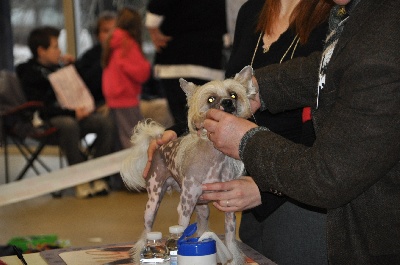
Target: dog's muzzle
[[228, 105]]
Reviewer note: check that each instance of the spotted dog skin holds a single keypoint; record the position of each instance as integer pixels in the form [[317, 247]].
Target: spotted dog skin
[[187, 162]]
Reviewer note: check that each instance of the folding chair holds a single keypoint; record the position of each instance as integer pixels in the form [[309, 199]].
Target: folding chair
[[20, 125]]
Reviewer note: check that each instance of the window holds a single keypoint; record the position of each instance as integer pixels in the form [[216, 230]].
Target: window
[[27, 15]]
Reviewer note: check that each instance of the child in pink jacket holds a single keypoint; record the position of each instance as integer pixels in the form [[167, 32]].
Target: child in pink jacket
[[125, 70]]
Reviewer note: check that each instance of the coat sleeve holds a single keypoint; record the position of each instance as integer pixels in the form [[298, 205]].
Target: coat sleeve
[[290, 85], [357, 144]]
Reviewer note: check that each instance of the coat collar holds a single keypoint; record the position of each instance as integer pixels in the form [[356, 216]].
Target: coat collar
[[360, 12]]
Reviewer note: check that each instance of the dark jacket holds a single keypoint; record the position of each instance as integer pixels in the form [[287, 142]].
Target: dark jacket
[[196, 28], [90, 69], [36, 85], [353, 168]]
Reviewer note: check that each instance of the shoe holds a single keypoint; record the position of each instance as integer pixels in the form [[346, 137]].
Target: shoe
[[83, 191], [100, 188], [56, 194]]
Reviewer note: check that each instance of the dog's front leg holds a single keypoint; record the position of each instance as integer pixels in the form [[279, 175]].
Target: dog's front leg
[[202, 214], [230, 239], [188, 200]]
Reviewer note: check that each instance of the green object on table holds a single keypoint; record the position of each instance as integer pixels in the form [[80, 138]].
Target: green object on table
[[34, 242]]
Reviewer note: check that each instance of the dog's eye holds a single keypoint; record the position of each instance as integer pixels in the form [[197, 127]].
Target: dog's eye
[[211, 99], [233, 96]]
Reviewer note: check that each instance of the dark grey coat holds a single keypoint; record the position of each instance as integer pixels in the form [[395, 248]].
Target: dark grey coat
[[353, 169]]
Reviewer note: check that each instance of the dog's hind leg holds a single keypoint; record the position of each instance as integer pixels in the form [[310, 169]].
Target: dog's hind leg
[[155, 193], [202, 212], [230, 239]]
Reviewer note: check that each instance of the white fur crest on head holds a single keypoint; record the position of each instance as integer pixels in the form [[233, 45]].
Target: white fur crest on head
[[133, 166], [244, 77], [241, 85]]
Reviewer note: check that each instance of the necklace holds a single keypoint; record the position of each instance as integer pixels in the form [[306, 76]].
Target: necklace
[[266, 46], [295, 42], [266, 49]]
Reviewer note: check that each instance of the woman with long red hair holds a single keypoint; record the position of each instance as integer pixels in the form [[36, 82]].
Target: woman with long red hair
[[272, 32]]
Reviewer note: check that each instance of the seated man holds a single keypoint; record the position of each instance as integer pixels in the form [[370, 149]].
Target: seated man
[[72, 124]]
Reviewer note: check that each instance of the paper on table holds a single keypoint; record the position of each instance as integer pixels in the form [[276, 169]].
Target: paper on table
[[70, 90], [114, 255], [120, 254]]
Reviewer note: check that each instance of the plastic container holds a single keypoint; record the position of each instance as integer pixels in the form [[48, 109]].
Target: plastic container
[[194, 252], [155, 252], [191, 251], [172, 242]]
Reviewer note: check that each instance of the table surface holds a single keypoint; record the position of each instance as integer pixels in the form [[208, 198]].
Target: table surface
[[31, 259], [52, 257]]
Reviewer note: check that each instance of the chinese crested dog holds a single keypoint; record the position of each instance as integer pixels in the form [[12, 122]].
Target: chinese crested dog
[[187, 162]]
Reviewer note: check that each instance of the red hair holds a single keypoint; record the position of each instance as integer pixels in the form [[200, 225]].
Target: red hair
[[306, 16]]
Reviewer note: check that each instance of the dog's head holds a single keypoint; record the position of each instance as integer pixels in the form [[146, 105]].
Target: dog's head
[[231, 95]]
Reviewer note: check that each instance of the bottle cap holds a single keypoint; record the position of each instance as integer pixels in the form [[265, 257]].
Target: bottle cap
[[189, 231], [193, 247], [176, 229], [154, 235]]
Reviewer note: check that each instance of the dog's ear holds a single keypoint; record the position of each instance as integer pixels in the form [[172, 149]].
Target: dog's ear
[[187, 87], [244, 77]]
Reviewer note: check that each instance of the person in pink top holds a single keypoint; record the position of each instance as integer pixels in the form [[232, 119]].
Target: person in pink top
[[125, 70]]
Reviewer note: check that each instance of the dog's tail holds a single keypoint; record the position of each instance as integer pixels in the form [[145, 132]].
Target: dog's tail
[[133, 166]]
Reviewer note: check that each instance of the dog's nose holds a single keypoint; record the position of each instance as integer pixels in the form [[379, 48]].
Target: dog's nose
[[228, 105]]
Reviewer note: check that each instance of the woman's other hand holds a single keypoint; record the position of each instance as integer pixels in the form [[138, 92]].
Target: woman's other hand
[[167, 136], [232, 196]]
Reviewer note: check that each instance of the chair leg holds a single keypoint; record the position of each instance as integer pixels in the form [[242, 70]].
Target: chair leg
[[31, 160], [6, 157], [26, 153], [35, 154], [30, 157], [60, 155]]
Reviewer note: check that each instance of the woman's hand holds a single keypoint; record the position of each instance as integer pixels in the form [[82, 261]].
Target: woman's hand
[[232, 196], [67, 59], [158, 38], [81, 113], [226, 131], [167, 136]]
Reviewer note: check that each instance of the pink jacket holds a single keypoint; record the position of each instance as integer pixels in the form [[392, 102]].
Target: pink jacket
[[125, 73]]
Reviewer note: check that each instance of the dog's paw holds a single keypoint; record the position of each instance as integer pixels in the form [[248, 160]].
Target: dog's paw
[[137, 248], [238, 257]]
